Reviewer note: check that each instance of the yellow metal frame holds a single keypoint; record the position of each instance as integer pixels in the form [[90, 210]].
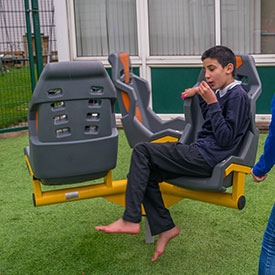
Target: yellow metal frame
[[173, 193], [111, 190], [114, 191], [165, 139]]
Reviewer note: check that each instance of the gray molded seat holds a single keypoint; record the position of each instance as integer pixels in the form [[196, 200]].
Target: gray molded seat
[[72, 132], [246, 152], [139, 121]]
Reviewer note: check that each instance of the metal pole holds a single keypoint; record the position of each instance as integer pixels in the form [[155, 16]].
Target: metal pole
[[29, 38], [37, 37]]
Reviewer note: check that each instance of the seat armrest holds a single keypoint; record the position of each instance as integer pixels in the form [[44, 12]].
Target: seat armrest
[[175, 122], [165, 133]]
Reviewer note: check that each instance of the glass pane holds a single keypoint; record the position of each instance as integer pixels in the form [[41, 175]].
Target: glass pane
[[241, 25], [268, 26], [181, 27], [103, 27]]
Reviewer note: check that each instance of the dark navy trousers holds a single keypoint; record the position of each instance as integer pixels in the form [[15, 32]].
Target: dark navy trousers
[[152, 163]]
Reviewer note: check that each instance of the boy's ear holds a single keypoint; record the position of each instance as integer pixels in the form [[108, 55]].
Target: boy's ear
[[229, 68]]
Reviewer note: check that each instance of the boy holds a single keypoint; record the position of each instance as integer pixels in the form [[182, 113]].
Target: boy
[[226, 116]]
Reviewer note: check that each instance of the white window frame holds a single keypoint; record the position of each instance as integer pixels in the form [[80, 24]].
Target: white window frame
[[65, 7], [66, 46]]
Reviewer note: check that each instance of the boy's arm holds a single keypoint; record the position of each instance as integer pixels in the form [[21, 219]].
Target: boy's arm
[[205, 93], [189, 92], [232, 122], [226, 126], [206, 97], [267, 160], [203, 90], [258, 179]]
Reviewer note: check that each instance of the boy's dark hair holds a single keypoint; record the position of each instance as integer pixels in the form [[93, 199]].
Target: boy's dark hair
[[223, 54]]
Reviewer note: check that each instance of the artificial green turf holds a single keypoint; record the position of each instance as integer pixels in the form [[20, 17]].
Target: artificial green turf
[[60, 238], [15, 94]]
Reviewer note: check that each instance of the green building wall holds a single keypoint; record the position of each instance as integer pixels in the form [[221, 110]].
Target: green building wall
[[168, 83]]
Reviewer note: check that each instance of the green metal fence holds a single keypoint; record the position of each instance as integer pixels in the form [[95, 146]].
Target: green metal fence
[[27, 42]]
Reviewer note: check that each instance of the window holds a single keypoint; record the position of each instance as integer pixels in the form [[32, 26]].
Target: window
[[241, 25], [179, 27], [268, 26], [106, 26], [172, 28], [184, 27]]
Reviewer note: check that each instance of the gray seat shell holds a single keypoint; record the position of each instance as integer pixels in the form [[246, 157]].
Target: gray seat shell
[[72, 132], [139, 121]]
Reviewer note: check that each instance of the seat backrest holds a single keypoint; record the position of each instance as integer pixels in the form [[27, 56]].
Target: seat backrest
[[133, 92], [72, 129], [247, 73], [139, 121], [126, 81]]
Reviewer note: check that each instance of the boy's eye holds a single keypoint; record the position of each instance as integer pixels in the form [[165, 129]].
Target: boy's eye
[[211, 68]]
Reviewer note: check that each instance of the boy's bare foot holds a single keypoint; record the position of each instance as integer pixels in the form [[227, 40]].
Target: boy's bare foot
[[120, 226], [163, 239]]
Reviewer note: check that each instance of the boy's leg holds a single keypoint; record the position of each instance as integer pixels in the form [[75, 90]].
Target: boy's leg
[[159, 218], [140, 169], [152, 163], [140, 176], [167, 161], [120, 226], [267, 256], [138, 179]]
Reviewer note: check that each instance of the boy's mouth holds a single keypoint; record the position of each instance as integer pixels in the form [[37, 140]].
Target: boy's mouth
[[211, 83]]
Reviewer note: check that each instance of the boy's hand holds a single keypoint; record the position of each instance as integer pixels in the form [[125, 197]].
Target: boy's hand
[[189, 92], [258, 179], [207, 93], [203, 90]]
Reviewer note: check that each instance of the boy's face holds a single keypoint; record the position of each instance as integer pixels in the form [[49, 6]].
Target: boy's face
[[217, 76]]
